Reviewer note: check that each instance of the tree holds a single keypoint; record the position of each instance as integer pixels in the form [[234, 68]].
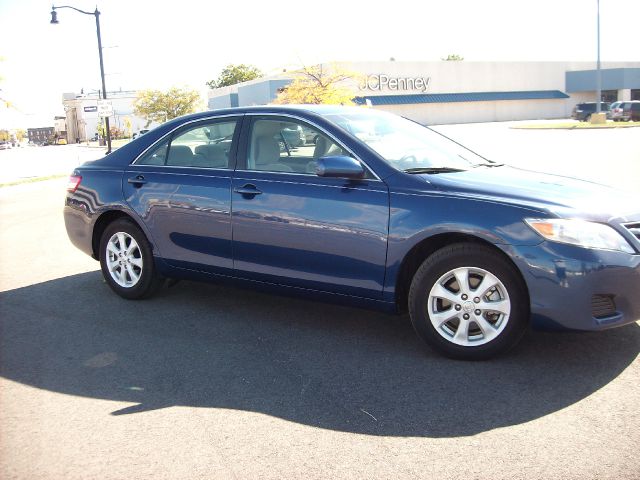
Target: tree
[[158, 106], [21, 134], [116, 133], [453, 57], [101, 128], [127, 127], [232, 74], [319, 84]]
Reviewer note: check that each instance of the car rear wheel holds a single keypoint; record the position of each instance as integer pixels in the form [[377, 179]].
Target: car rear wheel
[[468, 302], [127, 262], [587, 118]]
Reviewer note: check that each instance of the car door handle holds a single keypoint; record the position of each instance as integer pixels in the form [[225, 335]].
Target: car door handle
[[247, 189], [137, 181]]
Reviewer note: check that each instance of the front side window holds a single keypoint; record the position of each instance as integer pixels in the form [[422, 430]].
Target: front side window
[[202, 146], [288, 146]]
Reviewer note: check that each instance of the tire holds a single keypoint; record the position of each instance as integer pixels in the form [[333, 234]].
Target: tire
[[133, 274], [476, 325], [587, 118]]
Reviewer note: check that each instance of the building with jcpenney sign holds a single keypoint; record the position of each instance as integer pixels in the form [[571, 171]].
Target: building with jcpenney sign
[[460, 91]]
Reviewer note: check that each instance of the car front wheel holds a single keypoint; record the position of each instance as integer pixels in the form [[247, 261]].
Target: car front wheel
[[468, 302], [126, 261]]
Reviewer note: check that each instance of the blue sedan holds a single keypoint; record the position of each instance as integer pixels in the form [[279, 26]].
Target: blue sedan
[[377, 212]]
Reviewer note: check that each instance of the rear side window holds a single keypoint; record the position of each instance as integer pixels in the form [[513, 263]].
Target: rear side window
[[155, 156], [202, 146]]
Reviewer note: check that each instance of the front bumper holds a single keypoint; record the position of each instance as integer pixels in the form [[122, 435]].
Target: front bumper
[[563, 281]]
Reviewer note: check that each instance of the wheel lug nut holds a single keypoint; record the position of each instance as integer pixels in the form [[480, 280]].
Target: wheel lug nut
[[466, 316], [477, 312], [476, 300], [464, 296], [458, 307]]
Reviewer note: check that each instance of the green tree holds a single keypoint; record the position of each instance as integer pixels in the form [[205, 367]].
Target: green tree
[[116, 133], [21, 134], [101, 128], [158, 106], [232, 74], [319, 84], [127, 127], [4, 135], [453, 57]]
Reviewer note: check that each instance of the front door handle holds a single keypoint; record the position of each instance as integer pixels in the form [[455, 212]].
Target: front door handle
[[137, 181], [248, 189]]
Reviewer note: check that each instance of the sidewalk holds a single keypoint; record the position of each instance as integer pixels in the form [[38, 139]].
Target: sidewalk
[[32, 162]]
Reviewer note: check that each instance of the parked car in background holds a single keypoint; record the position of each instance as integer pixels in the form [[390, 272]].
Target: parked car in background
[[627, 111], [294, 136], [4, 145], [635, 112], [616, 111], [310, 136], [140, 133], [398, 218], [583, 111]]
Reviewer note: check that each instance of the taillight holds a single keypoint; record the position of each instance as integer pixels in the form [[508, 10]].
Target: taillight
[[73, 183]]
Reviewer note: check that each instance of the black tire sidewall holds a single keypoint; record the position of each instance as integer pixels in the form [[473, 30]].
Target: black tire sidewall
[[468, 255], [149, 280]]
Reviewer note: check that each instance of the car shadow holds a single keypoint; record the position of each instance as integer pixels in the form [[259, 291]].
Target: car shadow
[[322, 365]]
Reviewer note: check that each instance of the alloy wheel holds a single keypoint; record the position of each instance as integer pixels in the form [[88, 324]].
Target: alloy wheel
[[469, 306], [124, 259]]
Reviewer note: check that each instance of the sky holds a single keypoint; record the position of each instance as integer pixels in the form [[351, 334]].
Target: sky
[[152, 44]]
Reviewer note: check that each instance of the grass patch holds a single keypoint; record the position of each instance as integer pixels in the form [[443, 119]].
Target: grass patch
[[576, 125], [32, 180]]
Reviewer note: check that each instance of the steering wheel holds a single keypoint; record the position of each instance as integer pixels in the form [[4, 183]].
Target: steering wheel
[[408, 161]]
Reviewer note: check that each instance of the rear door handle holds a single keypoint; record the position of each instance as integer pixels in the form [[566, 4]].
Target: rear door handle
[[247, 189], [137, 181]]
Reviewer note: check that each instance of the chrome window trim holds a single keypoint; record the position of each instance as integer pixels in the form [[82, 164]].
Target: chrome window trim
[[249, 114], [169, 133], [304, 176], [320, 130]]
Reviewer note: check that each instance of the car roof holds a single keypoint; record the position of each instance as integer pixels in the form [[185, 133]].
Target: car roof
[[284, 109]]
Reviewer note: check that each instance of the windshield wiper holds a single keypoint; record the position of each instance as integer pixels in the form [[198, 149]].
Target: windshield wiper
[[433, 170], [489, 165]]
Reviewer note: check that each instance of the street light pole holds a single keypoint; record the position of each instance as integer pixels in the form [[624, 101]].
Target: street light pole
[[598, 73], [96, 13]]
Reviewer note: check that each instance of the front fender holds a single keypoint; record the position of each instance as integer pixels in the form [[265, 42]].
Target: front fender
[[417, 218]]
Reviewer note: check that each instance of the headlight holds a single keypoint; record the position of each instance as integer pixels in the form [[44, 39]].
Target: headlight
[[580, 232]]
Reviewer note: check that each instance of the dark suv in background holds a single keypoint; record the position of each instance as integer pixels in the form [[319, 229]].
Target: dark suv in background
[[582, 111], [627, 111]]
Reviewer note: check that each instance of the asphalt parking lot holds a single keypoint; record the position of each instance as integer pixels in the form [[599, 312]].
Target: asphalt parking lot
[[206, 381]]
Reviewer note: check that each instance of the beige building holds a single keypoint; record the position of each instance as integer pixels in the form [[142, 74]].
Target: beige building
[[82, 120], [460, 91]]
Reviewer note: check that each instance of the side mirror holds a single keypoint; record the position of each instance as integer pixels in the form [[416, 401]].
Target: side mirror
[[339, 166]]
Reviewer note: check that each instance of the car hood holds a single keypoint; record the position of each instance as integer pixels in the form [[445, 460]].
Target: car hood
[[563, 196]]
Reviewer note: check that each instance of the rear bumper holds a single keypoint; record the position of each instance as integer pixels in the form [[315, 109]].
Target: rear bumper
[[563, 280], [79, 226]]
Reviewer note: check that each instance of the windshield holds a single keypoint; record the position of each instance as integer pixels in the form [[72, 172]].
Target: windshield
[[404, 144]]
